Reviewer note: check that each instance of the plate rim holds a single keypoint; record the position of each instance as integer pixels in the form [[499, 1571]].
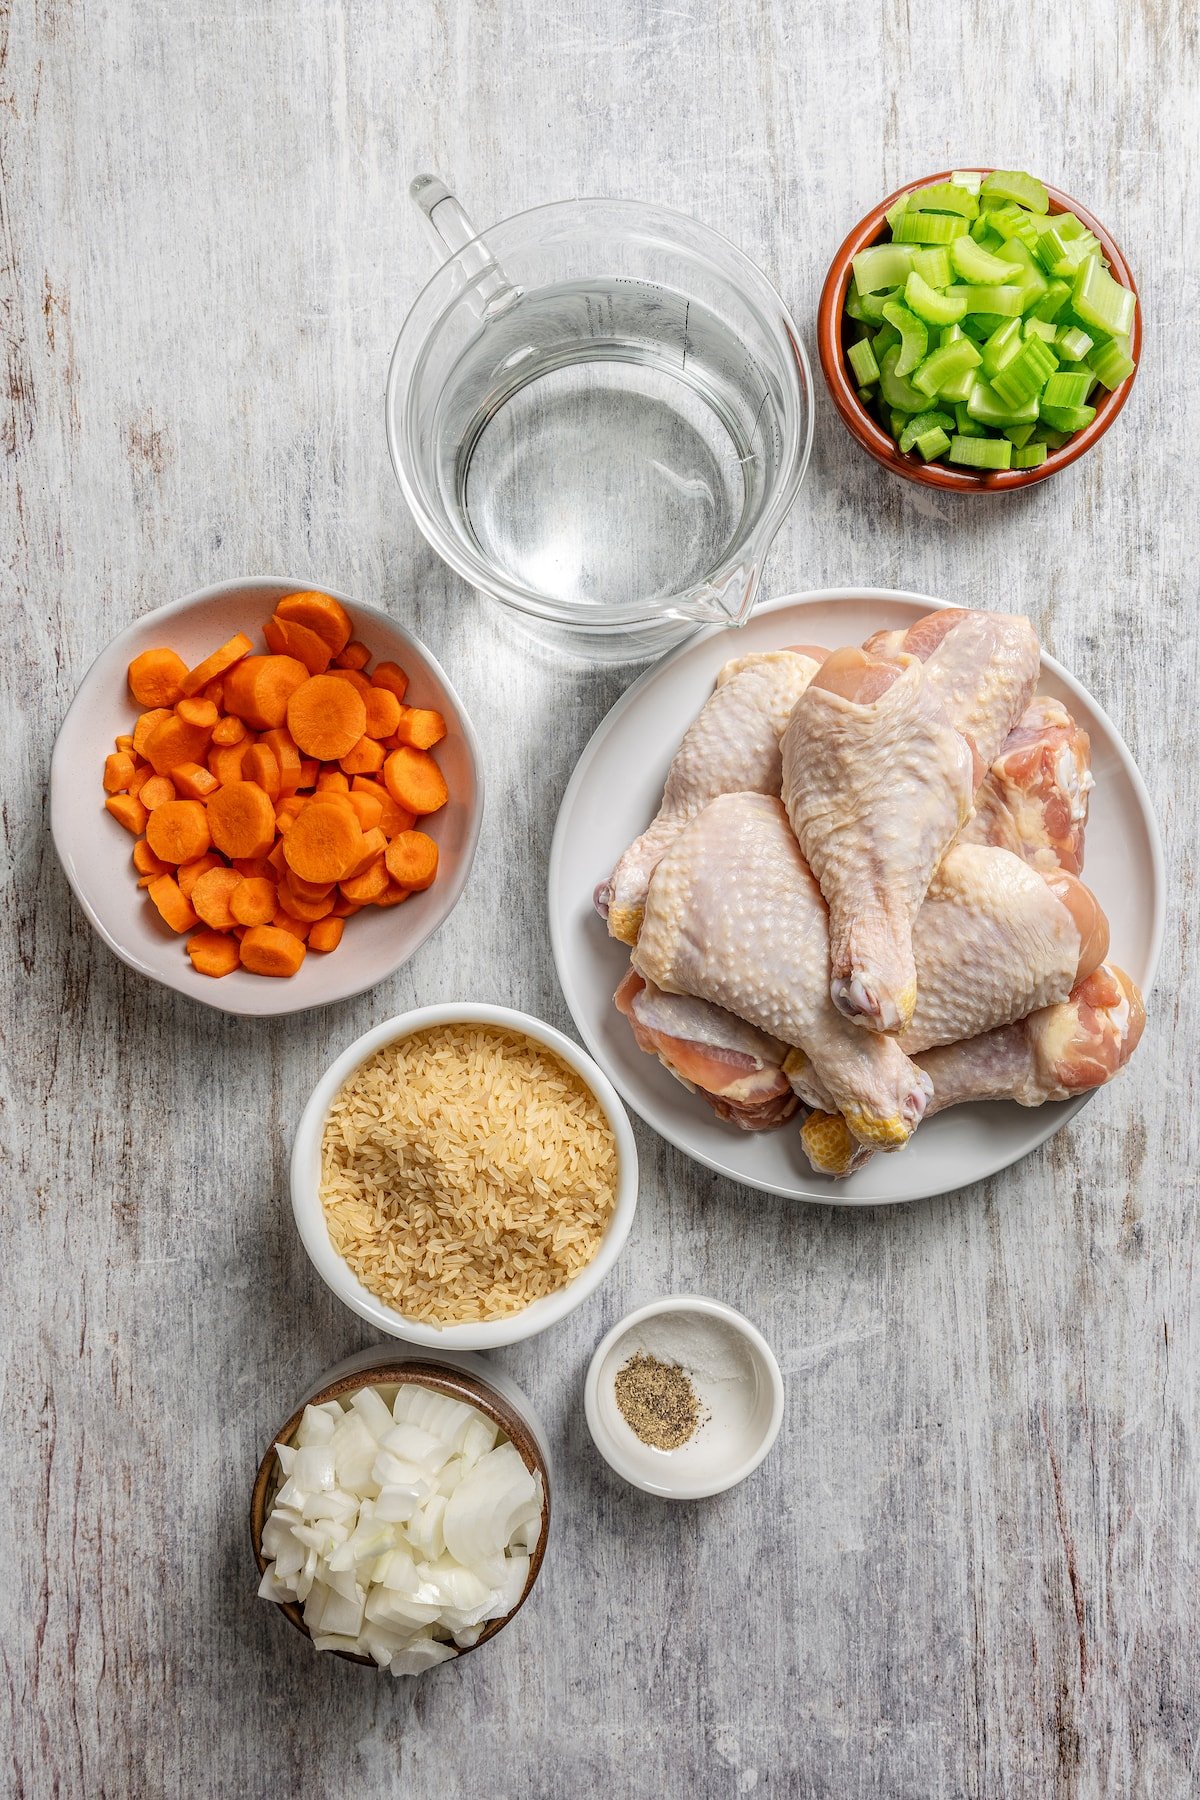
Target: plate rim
[[835, 1195]]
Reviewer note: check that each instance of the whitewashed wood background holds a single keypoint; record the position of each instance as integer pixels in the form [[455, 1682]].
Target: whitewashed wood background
[[970, 1567]]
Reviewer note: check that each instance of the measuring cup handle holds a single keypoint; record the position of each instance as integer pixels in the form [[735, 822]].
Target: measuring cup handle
[[454, 236]]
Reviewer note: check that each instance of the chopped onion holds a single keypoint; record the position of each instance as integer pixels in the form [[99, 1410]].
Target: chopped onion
[[400, 1529]]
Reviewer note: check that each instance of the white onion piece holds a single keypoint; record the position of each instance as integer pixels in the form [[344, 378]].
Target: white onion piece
[[316, 1427], [478, 1439], [412, 1443], [313, 1471], [285, 1456], [425, 1532], [395, 1471], [445, 1419], [422, 1654], [486, 1507], [397, 1504], [354, 1450], [373, 1410]]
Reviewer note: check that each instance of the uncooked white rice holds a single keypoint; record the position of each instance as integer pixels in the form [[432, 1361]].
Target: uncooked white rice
[[466, 1171]]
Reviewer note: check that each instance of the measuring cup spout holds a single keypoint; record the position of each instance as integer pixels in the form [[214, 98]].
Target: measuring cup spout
[[455, 237]]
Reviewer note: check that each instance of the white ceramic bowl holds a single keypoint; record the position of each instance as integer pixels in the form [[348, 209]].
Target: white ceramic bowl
[[337, 1274], [743, 1416], [95, 851]]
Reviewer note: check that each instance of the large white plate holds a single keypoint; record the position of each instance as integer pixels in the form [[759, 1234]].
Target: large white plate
[[614, 793]]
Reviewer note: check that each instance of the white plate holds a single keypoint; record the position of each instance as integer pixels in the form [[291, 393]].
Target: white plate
[[95, 851], [615, 791]]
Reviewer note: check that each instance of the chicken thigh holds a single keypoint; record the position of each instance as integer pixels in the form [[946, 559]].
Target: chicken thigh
[[1034, 799], [731, 747]]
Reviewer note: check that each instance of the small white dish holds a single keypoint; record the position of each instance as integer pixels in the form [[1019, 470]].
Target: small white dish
[[95, 851], [737, 1381], [338, 1275], [614, 793]]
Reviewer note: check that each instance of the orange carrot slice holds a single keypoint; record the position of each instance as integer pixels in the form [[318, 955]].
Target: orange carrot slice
[[227, 657], [156, 677], [254, 901], [128, 811], [188, 874], [118, 771], [259, 689], [178, 831], [325, 841], [326, 935], [391, 676], [412, 860], [213, 953], [173, 906], [288, 638], [414, 780], [266, 950], [320, 613], [241, 819], [211, 897], [326, 717]]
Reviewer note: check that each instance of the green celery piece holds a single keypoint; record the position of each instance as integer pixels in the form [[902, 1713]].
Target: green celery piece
[[1052, 301], [861, 358], [882, 266], [1000, 348], [981, 453], [895, 389], [951, 334], [1013, 222], [1075, 250], [1018, 435], [1005, 299], [884, 338], [980, 326], [986, 406], [1014, 184], [1112, 364], [866, 395], [933, 266], [932, 443], [967, 426], [1068, 418], [1073, 341], [923, 422], [928, 304], [1054, 440], [944, 197], [1039, 328], [929, 228], [972, 263], [1097, 299], [895, 213], [959, 386], [1030, 458], [914, 337], [1068, 226], [970, 179], [945, 364], [873, 304], [896, 422], [984, 234], [854, 307], [1029, 277], [1067, 389], [1025, 374], [1050, 248]]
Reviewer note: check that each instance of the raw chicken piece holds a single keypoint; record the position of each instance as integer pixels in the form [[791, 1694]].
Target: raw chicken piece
[[994, 941], [881, 760], [1061, 1050], [1034, 799], [734, 916], [737, 1069], [731, 747]]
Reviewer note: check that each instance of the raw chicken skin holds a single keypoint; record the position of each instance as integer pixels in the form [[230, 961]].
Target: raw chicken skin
[[982, 666], [731, 747], [734, 916], [1034, 800]]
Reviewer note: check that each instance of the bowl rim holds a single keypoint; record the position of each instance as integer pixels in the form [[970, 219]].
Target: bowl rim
[[443, 1378], [309, 1215], [610, 1448], [61, 777], [871, 435]]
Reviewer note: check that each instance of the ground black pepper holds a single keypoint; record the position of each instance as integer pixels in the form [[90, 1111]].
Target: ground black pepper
[[657, 1401]]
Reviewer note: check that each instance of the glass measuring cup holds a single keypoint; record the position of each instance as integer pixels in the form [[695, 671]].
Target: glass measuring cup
[[599, 413]]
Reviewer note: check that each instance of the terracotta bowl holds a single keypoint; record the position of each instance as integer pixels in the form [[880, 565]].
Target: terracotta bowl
[[871, 435], [460, 1377]]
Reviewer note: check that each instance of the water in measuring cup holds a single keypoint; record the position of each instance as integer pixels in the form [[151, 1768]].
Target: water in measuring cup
[[613, 441]]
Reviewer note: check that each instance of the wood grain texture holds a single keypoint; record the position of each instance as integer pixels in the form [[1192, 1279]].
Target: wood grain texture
[[970, 1566]]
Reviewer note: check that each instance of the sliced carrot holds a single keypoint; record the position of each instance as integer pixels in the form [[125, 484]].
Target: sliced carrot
[[391, 676], [266, 950], [253, 901], [326, 935], [284, 921], [148, 722], [394, 895], [227, 657], [369, 808], [214, 691], [354, 656], [157, 791], [259, 689], [173, 905], [178, 831], [383, 712], [394, 818], [352, 678], [260, 766], [366, 886], [366, 758], [211, 896], [174, 741], [226, 763], [310, 769], [307, 910], [277, 861], [288, 811], [421, 727], [412, 860], [307, 890], [325, 841], [326, 717], [198, 711], [193, 781], [333, 781], [213, 953], [228, 731], [188, 874], [373, 844], [156, 677], [241, 819], [145, 861], [118, 771], [288, 638], [137, 781], [253, 868], [124, 743], [343, 908], [320, 613], [128, 811], [414, 780], [287, 756]]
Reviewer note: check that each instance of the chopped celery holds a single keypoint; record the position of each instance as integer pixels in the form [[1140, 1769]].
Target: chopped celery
[[861, 358], [884, 338], [959, 386], [967, 426], [854, 308], [1028, 276], [1001, 346], [1080, 368], [928, 304], [865, 395], [1030, 457], [981, 453], [1068, 226], [967, 178], [1052, 301], [1073, 341], [1013, 184], [873, 304], [945, 197], [1025, 374], [1054, 440], [1039, 328], [933, 266], [1097, 299], [895, 213], [895, 389], [1111, 363], [897, 419], [929, 228], [924, 422], [1013, 222], [1068, 418], [1050, 248], [986, 406], [882, 266], [972, 263], [1067, 390], [945, 364], [932, 443], [1018, 435], [914, 338], [951, 334], [1005, 300]]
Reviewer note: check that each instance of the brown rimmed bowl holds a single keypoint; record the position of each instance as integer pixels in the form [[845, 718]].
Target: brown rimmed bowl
[[462, 1377], [870, 434]]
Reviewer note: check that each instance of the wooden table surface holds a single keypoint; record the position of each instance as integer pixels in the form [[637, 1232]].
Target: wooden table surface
[[970, 1565]]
